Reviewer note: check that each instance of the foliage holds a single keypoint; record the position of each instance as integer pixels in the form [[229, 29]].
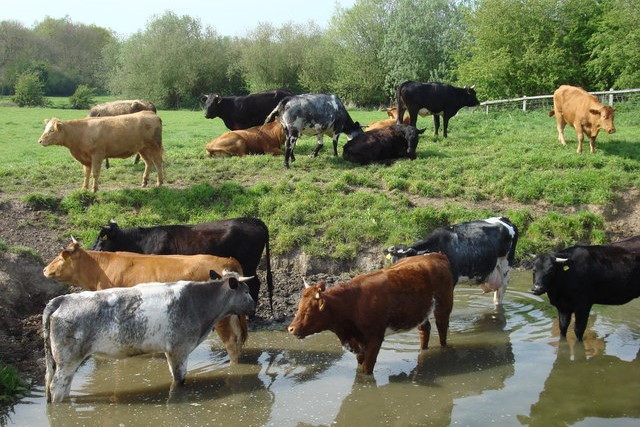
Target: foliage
[[82, 98], [29, 90], [12, 387]]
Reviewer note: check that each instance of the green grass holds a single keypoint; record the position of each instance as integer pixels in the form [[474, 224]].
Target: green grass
[[504, 163]]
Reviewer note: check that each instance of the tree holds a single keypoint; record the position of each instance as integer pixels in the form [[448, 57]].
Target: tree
[[82, 98], [615, 45], [29, 90]]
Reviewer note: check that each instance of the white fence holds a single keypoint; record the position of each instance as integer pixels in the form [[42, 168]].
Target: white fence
[[607, 96]]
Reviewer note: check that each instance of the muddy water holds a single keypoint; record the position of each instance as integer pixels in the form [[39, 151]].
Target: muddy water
[[503, 366]]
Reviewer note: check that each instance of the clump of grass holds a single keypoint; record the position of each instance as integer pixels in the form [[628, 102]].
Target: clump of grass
[[12, 386]]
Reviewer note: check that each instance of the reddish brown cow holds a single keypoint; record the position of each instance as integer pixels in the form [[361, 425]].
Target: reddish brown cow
[[580, 109], [262, 139], [393, 114], [396, 298]]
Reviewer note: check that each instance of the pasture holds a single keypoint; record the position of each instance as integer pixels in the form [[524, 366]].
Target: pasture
[[502, 163]]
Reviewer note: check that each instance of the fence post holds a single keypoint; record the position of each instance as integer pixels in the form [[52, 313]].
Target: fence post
[[524, 103], [611, 97]]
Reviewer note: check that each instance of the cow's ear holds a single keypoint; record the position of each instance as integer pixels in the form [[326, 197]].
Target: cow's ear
[[322, 286], [233, 282], [213, 275], [203, 98], [217, 98], [594, 111]]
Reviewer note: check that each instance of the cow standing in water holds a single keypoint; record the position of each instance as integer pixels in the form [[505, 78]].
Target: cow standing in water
[[362, 311], [580, 109], [434, 98]]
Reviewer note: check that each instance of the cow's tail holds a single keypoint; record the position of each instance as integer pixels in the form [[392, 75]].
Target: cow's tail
[[421, 131], [514, 241], [400, 102], [269, 275], [51, 307], [551, 113], [277, 111]]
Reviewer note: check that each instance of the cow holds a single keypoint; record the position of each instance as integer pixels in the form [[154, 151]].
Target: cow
[[479, 251], [118, 108], [93, 139], [369, 306], [95, 270], [580, 109], [383, 145], [241, 238], [313, 114], [577, 277], [261, 139], [393, 114], [170, 318], [437, 98], [242, 112]]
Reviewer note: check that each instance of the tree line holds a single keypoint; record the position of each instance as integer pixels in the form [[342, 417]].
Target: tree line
[[507, 48]]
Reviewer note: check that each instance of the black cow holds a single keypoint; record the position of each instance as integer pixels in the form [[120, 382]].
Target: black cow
[[577, 277], [479, 251], [241, 238], [313, 114], [437, 98], [383, 145], [242, 112]]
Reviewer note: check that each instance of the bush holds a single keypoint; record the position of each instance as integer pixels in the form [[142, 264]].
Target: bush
[[82, 98], [12, 387], [29, 91]]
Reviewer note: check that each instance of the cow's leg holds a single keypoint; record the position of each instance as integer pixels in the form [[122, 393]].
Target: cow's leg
[[335, 144], [177, 361], [580, 138], [582, 317], [87, 176], [592, 144], [560, 124], [436, 123], [372, 348], [289, 144], [413, 117], [319, 145], [424, 331], [232, 331], [564, 318], [61, 382], [157, 162], [445, 124], [96, 164]]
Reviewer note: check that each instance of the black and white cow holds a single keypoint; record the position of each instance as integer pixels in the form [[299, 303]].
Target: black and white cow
[[313, 114], [244, 239], [479, 251], [170, 318], [577, 277], [242, 112], [383, 145], [436, 98]]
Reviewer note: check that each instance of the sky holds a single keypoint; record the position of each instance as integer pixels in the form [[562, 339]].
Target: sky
[[227, 17]]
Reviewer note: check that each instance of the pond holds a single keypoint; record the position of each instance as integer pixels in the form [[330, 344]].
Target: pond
[[505, 366]]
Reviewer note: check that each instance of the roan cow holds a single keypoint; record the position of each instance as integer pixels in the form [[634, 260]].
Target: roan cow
[[479, 251], [94, 271], [362, 311], [436, 98], [262, 139], [577, 277], [169, 318], [242, 112], [313, 114], [244, 239], [580, 109], [93, 139], [383, 145]]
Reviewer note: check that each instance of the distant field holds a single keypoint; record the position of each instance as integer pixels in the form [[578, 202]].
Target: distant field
[[504, 163]]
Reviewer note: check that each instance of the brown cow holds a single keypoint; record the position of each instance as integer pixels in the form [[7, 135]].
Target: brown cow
[[262, 139], [95, 270], [396, 298], [580, 109], [93, 139], [118, 108], [393, 115]]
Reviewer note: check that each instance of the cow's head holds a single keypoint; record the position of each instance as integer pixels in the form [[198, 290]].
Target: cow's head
[[211, 105], [604, 118], [52, 134], [394, 253], [471, 99], [545, 269], [312, 316], [107, 238], [62, 266]]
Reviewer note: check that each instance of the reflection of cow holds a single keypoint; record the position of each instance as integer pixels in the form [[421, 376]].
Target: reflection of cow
[[169, 318], [579, 388], [362, 311], [479, 251], [575, 278]]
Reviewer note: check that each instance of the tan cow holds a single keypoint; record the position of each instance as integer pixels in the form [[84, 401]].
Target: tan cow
[[95, 270], [580, 109], [118, 108], [93, 139], [262, 139], [393, 114]]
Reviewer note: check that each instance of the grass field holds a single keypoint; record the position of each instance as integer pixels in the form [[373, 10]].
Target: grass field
[[504, 163]]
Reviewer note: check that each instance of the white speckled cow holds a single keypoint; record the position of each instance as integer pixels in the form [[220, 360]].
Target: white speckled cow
[[170, 318]]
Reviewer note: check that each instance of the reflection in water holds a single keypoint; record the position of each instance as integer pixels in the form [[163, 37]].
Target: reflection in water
[[502, 366]]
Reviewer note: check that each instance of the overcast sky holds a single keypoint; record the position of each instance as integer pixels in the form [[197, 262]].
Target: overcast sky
[[227, 17]]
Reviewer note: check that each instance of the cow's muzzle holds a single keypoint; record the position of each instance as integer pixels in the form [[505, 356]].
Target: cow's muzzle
[[612, 130]]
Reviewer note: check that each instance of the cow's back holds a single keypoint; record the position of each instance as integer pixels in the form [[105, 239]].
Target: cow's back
[[573, 102], [122, 136]]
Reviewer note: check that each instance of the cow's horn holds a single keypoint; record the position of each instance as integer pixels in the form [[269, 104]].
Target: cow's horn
[[561, 260], [245, 278], [73, 240], [306, 284], [472, 86]]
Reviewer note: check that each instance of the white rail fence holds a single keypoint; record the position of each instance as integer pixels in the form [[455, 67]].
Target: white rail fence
[[608, 96]]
